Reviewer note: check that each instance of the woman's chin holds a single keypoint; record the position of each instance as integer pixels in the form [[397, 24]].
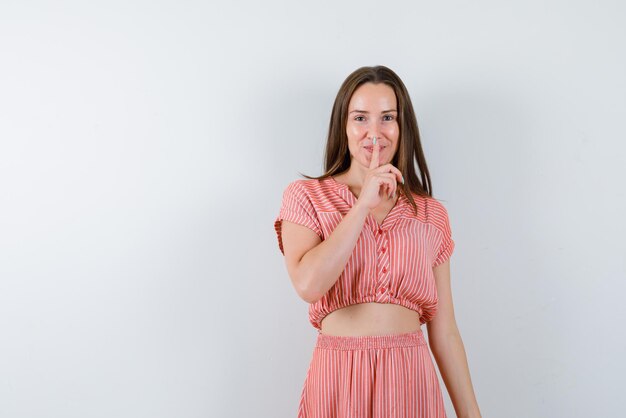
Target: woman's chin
[[367, 161]]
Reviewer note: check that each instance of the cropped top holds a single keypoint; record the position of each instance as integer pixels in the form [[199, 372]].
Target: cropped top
[[391, 262]]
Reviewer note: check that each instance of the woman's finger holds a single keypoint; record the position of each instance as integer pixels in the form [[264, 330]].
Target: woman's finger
[[375, 154], [390, 184], [386, 168]]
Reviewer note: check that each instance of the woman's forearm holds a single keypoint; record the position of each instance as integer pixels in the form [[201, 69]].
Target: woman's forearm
[[321, 266], [451, 358]]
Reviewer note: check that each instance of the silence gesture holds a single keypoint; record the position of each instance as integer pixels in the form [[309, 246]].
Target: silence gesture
[[381, 182]]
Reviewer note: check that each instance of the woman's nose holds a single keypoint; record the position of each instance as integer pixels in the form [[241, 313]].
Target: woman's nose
[[374, 130]]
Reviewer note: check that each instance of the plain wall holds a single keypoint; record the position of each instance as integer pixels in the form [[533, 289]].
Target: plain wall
[[145, 146]]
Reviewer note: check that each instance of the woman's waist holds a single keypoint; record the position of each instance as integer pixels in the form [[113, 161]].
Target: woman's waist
[[371, 318]]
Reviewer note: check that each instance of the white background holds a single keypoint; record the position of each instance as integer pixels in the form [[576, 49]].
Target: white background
[[145, 146]]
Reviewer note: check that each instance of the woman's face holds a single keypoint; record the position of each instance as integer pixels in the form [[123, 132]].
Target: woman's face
[[372, 112]]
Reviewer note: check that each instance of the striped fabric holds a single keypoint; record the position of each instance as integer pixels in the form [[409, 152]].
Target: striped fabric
[[391, 262], [379, 376]]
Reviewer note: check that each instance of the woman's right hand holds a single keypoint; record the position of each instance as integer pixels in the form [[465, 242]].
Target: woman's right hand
[[379, 181]]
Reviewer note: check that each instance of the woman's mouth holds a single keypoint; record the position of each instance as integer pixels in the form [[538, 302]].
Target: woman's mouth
[[370, 148]]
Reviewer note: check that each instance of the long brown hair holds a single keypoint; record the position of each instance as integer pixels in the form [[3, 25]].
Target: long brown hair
[[337, 155]]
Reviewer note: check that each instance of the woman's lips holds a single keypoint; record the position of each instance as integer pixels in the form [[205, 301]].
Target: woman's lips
[[370, 148]]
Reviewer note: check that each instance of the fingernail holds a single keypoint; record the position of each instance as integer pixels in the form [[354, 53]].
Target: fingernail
[[402, 178], [374, 141]]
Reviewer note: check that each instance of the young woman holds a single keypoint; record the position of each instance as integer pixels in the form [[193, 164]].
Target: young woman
[[368, 247]]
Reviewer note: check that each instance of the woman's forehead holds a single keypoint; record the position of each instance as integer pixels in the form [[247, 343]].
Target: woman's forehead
[[378, 98]]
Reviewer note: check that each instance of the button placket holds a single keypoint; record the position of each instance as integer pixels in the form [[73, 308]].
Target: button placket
[[381, 286], [382, 245]]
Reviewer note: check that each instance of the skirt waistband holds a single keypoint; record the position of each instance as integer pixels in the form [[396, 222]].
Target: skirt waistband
[[341, 342]]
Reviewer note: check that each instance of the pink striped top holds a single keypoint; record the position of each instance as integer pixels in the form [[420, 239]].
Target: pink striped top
[[391, 262]]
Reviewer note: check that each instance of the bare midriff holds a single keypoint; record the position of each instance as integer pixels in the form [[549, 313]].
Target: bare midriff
[[370, 318]]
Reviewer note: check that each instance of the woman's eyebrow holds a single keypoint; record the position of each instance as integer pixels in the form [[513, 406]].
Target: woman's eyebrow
[[365, 111]]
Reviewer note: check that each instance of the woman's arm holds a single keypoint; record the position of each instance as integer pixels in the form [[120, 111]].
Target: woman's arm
[[447, 347], [314, 265]]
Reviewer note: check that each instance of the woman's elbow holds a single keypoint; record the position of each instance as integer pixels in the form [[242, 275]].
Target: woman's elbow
[[306, 283], [307, 291]]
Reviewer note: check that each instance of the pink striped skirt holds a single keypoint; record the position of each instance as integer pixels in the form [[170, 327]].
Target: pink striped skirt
[[373, 376]]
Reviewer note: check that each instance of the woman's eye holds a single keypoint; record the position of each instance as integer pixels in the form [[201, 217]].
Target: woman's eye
[[388, 117], [359, 118]]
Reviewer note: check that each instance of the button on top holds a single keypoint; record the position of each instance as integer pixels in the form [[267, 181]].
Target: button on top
[[380, 231], [384, 269], [383, 249]]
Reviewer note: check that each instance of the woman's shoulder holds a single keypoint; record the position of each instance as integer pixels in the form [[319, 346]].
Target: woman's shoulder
[[306, 185], [429, 209], [316, 190], [314, 186]]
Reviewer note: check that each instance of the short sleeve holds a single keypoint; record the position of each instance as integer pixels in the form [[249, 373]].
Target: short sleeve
[[297, 208], [446, 246]]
